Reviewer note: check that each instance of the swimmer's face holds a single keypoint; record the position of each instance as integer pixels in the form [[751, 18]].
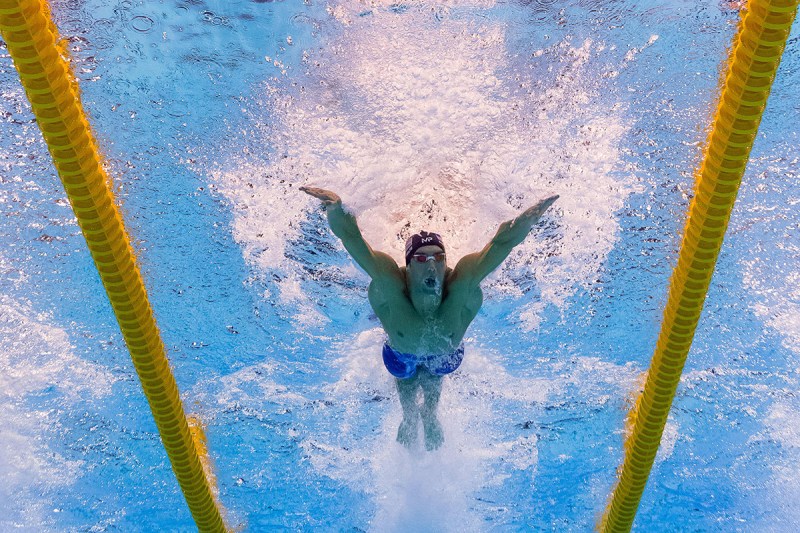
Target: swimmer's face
[[426, 270]]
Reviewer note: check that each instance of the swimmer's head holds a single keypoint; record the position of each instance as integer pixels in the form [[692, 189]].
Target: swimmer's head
[[426, 263], [418, 240]]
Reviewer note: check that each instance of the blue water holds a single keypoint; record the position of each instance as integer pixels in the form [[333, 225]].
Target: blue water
[[449, 115]]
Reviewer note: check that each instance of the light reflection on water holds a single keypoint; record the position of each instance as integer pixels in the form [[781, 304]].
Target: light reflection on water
[[211, 114]]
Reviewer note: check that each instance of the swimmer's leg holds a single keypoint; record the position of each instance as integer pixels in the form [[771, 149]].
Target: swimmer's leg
[[407, 391], [431, 389]]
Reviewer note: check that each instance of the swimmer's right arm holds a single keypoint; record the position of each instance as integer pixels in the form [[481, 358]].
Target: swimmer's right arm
[[344, 225]]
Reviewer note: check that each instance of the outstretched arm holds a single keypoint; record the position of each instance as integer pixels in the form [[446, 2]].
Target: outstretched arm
[[478, 265], [344, 225]]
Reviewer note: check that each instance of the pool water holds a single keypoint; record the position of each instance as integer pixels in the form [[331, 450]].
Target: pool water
[[444, 115]]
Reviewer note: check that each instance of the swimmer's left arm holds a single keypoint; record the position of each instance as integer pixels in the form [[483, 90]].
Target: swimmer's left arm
[[478, 265]]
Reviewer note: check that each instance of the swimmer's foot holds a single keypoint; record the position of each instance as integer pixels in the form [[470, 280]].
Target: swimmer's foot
[[407, 432], [434, 435]]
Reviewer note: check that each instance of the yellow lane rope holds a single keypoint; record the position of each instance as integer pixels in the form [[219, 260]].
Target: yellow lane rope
[[753, 63], [31, 37]]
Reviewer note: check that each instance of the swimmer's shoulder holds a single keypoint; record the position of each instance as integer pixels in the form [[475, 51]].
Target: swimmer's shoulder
[[390, 282], [389, 298], [462, 291], [386, 271], [456, 281]]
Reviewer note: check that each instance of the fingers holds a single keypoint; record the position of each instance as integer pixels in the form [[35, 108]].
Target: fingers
[[547, 202], [319, 194], [538, 209], [326, 197]]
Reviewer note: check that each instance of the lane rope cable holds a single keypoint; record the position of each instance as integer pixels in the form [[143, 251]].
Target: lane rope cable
[[51, 87], [753, 62]]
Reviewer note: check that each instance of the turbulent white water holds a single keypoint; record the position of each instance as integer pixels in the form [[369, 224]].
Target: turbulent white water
[[37, 360], [446, 115], [772, 272], [418, 121], [435, 491], [427, 491], [771, 275], [783, 425], [777, 290]]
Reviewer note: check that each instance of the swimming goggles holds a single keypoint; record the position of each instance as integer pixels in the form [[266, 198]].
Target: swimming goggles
[[424, 258]]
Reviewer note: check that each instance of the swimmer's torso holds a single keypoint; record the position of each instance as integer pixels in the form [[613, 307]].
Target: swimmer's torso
[[411, 333]]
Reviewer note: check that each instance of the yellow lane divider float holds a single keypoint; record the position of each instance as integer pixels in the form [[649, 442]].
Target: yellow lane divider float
[[31, 37], [753, 63]]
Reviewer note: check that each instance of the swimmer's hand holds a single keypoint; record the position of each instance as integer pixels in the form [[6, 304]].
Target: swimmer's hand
[[534, 213], [344, 225], [327, 197], [515, 231]]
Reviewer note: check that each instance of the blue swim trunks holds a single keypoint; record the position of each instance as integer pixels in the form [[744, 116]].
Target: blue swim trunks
[[404, 365]]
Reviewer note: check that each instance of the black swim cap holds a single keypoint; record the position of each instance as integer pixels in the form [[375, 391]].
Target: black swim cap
[[423, 238]]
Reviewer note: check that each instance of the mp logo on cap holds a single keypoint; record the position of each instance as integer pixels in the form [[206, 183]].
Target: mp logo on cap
[[427, 239]]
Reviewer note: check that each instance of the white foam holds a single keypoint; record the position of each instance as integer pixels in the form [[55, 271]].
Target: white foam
[[250, 388], [415, 490], [632, 53], [783, 425], [418, 490], [36, 357], [417, 121], [421, 120], [771, 273], [778, 293]]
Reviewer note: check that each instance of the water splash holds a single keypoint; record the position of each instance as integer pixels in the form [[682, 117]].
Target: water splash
[[419, 121], [414, 489], [37, 362]]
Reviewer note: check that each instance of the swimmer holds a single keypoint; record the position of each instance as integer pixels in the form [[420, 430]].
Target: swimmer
[[425, 306]]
